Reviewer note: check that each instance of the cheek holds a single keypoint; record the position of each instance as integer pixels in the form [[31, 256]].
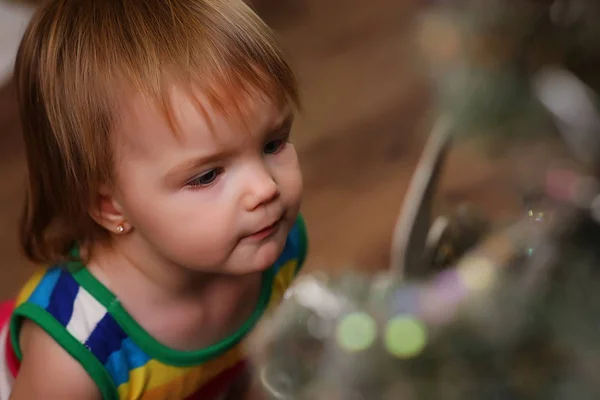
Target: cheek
[[288, 174], [178, 216], [186, 230]]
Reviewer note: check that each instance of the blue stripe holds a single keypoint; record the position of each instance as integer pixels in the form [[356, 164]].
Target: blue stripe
[[121, 362], [290, 251], [106, 338], [63, 298], [294, 236], [43, 291]]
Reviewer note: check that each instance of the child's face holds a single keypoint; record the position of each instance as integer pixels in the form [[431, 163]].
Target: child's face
[[215, 200]]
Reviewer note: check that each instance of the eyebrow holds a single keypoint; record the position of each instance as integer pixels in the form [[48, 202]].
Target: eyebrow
[[192, 164], [285, 124]]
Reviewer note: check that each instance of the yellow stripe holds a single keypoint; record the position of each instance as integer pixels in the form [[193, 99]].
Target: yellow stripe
[[156, 380], [282, 282], [30, 286], [287, 273]]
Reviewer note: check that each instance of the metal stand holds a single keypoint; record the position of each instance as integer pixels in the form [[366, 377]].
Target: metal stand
[[414, 221]]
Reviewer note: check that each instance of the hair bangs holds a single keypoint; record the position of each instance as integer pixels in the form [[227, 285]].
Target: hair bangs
[[219, 49]]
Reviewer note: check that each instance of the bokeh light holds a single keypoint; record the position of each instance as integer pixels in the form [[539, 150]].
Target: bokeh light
[[356, 332], [477, 273], [405, 336]]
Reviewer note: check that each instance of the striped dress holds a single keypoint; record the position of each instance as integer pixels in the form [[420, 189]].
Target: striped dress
[[126, 362]]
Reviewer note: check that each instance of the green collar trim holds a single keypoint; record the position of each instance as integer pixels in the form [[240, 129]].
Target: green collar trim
[[148, 343]]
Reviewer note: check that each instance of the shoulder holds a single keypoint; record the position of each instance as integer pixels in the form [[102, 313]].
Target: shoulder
[[57, 318], [38, 376], [55, 297], [292, 258]]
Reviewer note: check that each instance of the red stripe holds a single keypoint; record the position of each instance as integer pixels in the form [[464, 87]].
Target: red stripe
[[219, 385], [6, 310]]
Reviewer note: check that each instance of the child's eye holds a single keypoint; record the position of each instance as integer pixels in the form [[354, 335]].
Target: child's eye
[[274, 146], [205, 178]]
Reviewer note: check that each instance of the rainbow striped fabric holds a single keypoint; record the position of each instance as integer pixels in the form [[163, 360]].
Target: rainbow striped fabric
[[88, 321]]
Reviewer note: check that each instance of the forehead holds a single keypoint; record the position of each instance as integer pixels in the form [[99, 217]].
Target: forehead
[[188, 120]]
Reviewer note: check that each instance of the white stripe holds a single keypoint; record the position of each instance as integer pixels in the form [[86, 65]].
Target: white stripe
[[87, 312], [6, 379]]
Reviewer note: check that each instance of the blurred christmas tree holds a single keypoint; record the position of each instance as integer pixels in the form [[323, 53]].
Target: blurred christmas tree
[[517, 316], [481, 56]]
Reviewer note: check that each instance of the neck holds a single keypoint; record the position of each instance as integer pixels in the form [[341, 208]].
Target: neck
[[135, 270], [160, 295]]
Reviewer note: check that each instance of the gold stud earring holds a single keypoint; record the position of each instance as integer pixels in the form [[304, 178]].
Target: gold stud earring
[[120, 229]]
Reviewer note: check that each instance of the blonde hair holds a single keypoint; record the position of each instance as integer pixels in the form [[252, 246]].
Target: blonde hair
[[71, 65]]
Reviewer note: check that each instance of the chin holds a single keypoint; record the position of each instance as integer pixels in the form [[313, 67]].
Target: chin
[[249, 269], [263, 257]]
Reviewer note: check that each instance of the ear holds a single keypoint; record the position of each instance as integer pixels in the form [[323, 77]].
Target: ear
[[108, 212]]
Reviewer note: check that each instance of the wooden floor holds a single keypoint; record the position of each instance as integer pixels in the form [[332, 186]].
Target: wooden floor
[[359, 135]]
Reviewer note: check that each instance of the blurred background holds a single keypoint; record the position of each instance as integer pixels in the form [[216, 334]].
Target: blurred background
[[366, 115]]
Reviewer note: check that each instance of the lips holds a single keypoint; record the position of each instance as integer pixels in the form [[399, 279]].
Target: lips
[[266, 231]]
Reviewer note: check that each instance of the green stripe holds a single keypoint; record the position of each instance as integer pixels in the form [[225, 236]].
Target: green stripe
[[148, 343], [69, 343]]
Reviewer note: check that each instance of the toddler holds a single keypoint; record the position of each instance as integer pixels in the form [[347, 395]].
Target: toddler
[[163, 199]]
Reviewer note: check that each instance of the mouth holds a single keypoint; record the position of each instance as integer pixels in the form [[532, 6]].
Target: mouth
[[267, 231]]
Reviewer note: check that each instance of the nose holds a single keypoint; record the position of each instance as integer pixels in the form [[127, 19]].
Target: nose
[[261, 188]]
